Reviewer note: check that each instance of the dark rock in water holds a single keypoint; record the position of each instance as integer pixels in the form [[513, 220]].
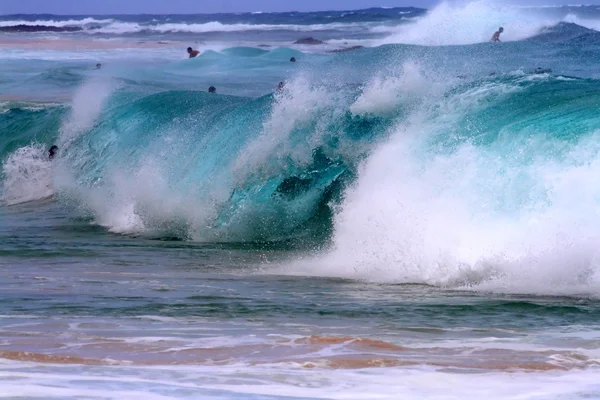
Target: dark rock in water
[[347, 49], [308, 40], [39, 28], [541, 70]]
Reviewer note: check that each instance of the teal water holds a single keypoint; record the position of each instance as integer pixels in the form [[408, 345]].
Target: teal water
[[410, 219]]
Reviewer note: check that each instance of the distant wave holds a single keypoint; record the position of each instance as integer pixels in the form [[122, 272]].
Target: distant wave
[[117, 27], [475, 22], [254, 21], [216, 26], [82, 23]]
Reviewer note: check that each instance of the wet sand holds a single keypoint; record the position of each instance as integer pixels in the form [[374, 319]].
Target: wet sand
[[325, 352], [80, 44]]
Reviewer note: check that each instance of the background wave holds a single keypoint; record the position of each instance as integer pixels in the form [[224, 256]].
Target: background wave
[[449, 23]]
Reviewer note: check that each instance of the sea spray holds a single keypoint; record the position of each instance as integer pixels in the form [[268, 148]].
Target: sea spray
[[27, 175], [384, 93], [461, 23], [488, 205], [87, 105]]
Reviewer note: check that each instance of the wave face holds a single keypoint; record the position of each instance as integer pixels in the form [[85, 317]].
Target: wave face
[[214, 167], [461, 166], [199, 165], [493, 188]]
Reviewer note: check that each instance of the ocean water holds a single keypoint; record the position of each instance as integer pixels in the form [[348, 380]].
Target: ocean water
[[413, 217]]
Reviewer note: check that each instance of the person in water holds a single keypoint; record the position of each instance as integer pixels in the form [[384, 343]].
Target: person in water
[[293, 59], [193, 53], [212, 89], [52, 152], [496, 37], [98, 66], [280, 86]]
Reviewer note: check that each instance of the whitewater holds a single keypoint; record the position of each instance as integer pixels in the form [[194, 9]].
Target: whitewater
[[406, 211]]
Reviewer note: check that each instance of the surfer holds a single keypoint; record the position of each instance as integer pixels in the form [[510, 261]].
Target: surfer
[[212, 89], [52, 152], [280, 86], [293, 59], [98, 66], [496, 37], [193, 53]]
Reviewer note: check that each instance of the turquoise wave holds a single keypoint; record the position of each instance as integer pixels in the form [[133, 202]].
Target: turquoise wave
[[276, 167]]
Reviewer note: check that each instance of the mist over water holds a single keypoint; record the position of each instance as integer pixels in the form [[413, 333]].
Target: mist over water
[[415, 204]]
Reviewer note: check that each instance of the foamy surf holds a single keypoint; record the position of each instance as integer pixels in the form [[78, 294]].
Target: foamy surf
[[462, 23], [27, 175]]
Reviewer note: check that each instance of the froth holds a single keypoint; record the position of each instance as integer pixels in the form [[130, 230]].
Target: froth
[[586, 22], [27, 175], [295, 105], [138, 198], [463, 23], [87, 105], [503, 217], [384, 93]]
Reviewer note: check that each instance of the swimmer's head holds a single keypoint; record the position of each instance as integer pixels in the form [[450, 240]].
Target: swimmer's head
[[189, 49], [501, 29], [52, 151], [212, 89], [98, 66], [293, 59], [281, 85]]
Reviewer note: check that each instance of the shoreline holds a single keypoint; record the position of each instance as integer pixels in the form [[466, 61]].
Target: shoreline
[[62, 44]]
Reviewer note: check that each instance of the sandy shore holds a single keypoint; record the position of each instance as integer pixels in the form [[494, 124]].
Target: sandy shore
[[80, 44]]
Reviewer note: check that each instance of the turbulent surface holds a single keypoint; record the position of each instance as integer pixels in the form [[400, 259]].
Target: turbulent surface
[[394, 221]]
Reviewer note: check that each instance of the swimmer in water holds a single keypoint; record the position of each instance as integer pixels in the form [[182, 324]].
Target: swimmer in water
[[280, 86], [52, 152], [98, 66], [496, 37], [212, 89], [293, 59], [193, 53]]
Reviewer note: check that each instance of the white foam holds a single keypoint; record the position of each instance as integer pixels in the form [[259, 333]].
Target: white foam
[[87, 105], [289, 381], [296, 105], [216, 26], [58, 24], [128, 200], [27, 175], [112, 26], [460, 23], [115, 202], [139, 197], [481, 217], [585, 22], [385, 92]]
